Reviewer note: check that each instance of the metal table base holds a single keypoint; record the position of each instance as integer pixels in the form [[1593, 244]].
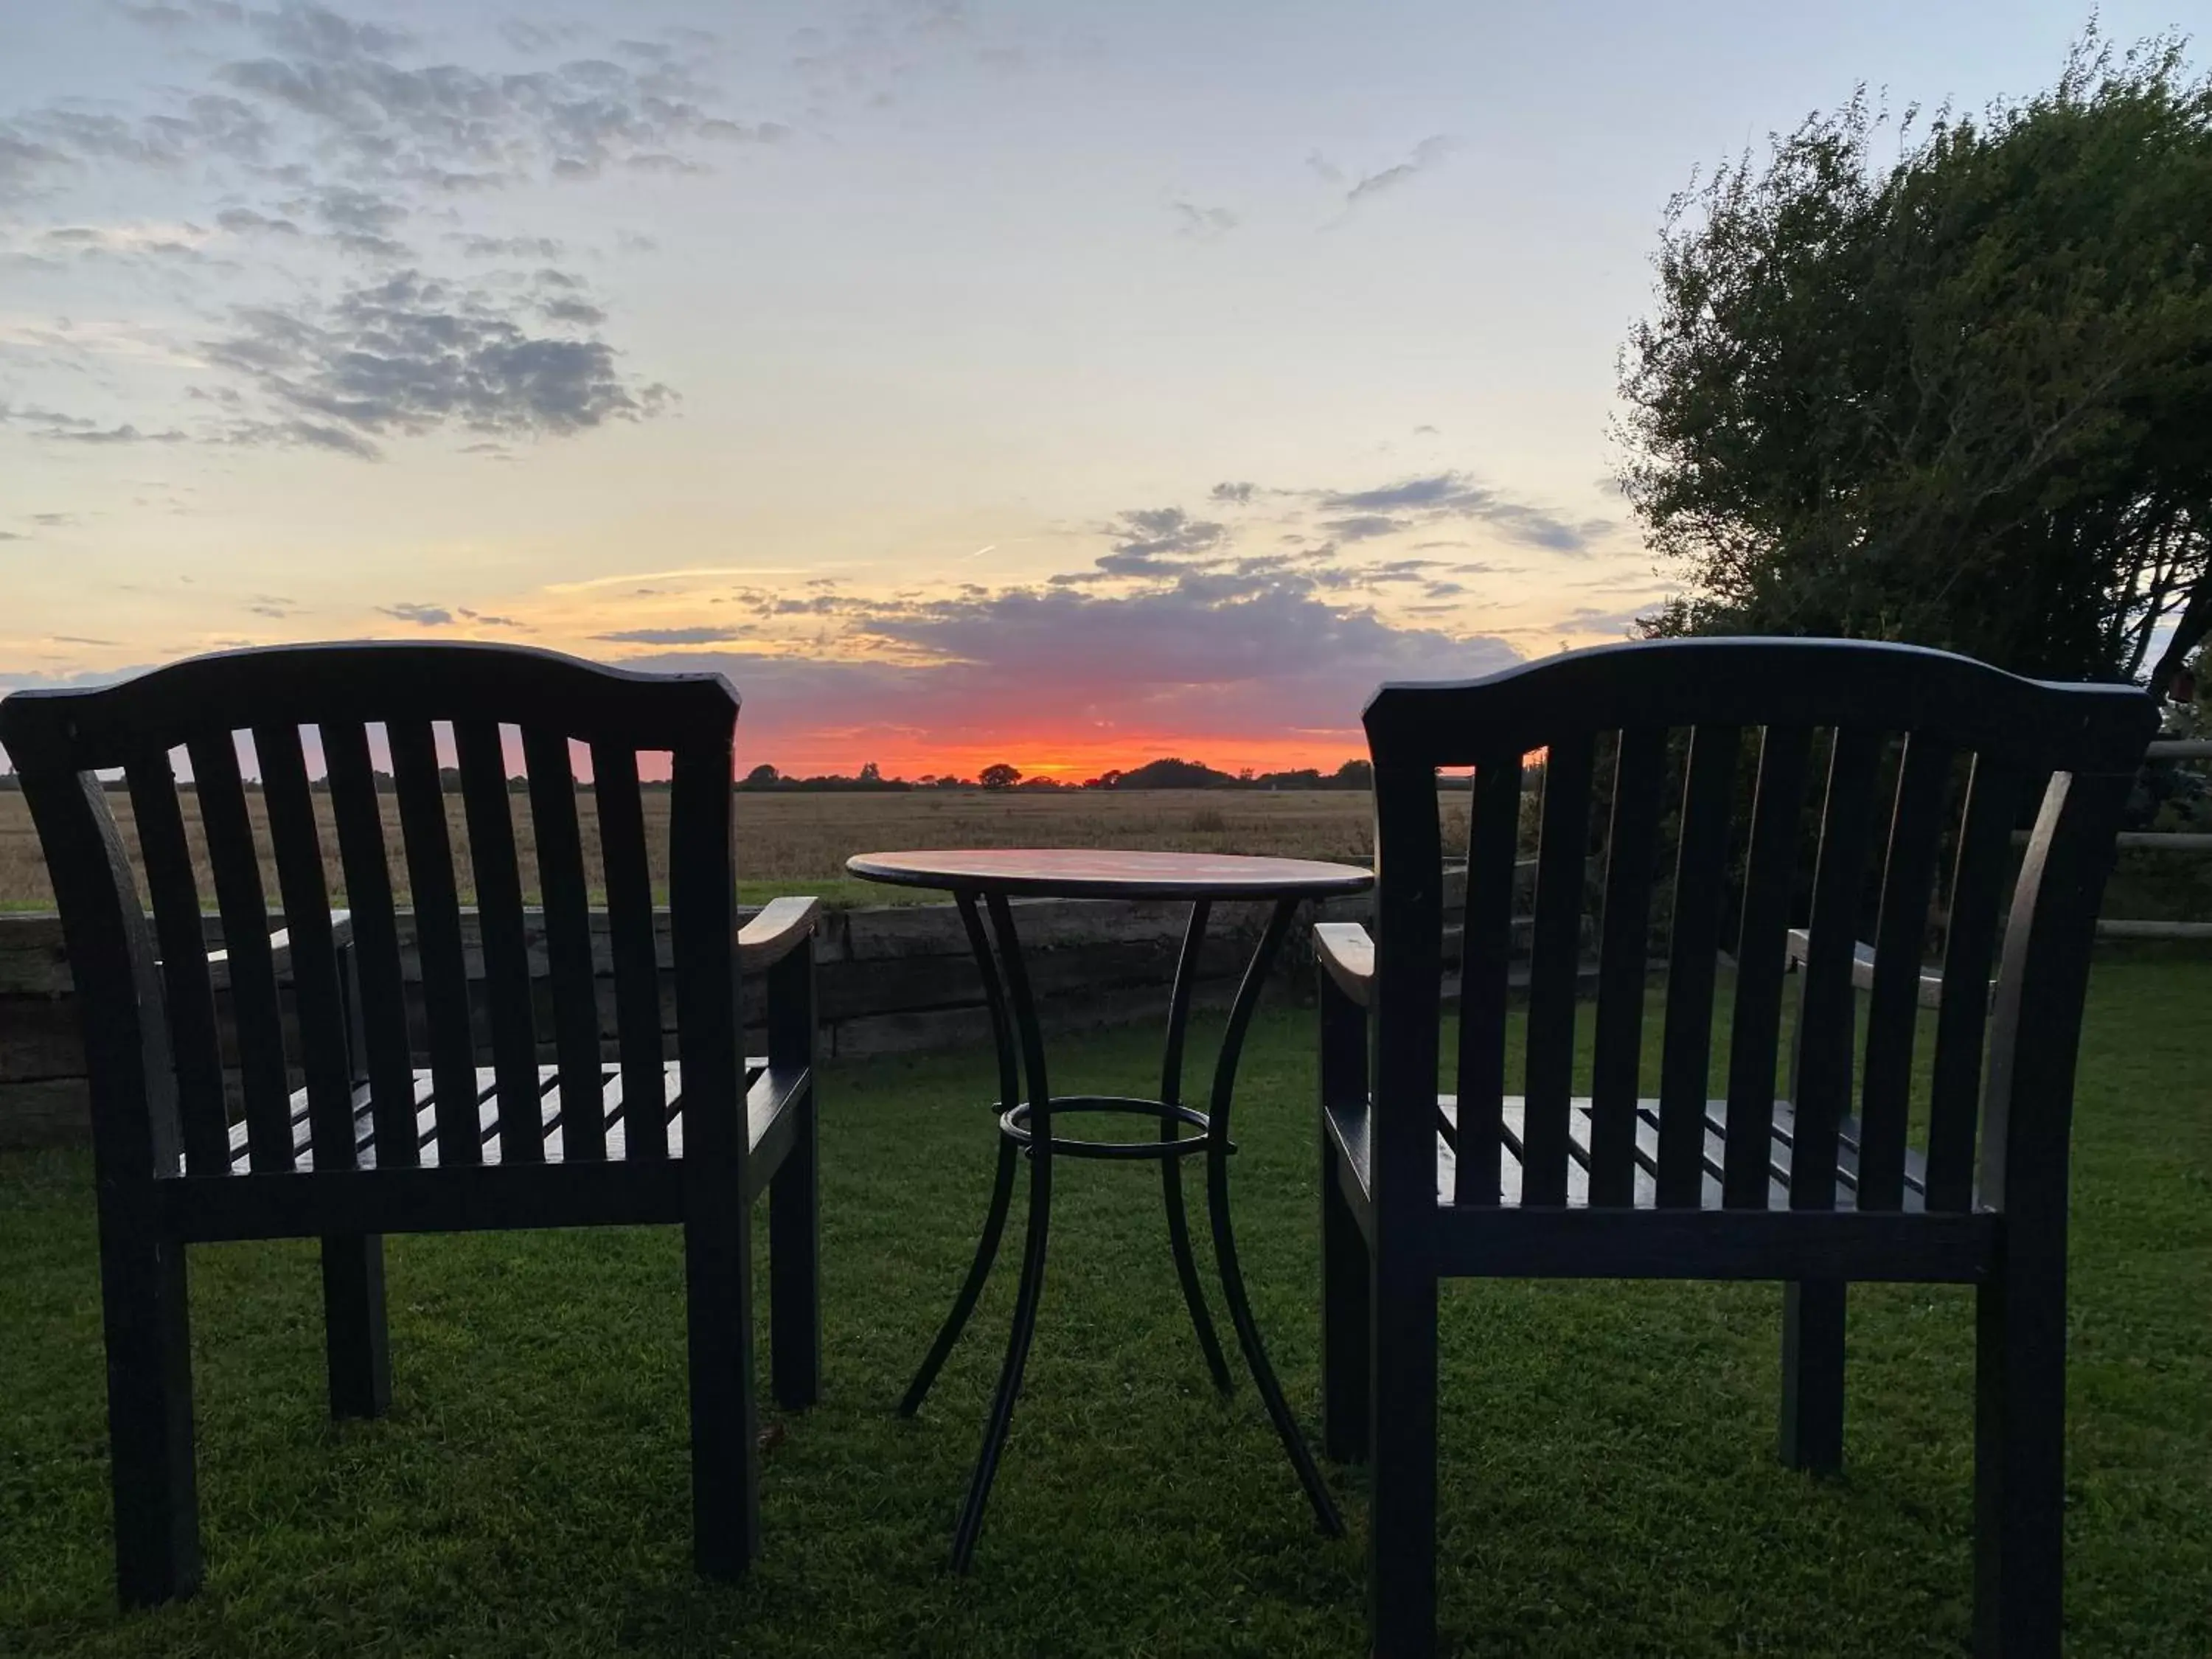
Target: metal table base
[[1026, 1125]]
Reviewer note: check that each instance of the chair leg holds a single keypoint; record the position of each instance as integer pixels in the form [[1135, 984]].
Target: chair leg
[[1344, 1317], [149, 1415], [2019, 1461], [1402, 1527], [725, 1456], [1813, 1375], [354, 1338], [794, 1231]]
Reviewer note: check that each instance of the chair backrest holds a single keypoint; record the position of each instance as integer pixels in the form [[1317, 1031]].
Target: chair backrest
[[1952, 752], [155, 1051]]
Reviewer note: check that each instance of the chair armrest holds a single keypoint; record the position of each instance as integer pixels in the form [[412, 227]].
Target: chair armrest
[[1344, 950], [1929, 990], [280, 948], [773, 934]]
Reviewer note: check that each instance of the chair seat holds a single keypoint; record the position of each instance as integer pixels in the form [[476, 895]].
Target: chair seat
[[762, 1106], [1349, 1129]]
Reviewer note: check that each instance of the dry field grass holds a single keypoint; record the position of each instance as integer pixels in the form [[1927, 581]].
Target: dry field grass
[[791, 842]]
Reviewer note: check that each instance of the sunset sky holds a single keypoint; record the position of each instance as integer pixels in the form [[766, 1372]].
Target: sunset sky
[[1060, 384]]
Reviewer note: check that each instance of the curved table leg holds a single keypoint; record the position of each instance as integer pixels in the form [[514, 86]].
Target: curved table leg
[[1186, 980], [987, 1250], [1224, 1240], [1002, 1190], [1033, 1252]]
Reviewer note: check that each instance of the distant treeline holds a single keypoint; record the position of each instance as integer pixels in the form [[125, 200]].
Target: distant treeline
[[1170, 772]]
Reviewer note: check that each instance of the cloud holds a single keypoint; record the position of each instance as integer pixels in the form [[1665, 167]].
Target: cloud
[[738, 132], [1201, 223], [582, 313], [1361, 526], [125, 434], [1426, 155], [331, 134], [1455, 494], [411, 353], [505, 247], [1155, 537], [245, 221], [671, 635], [423, 616], [172, 241], [1237, 493], [450, 126], [168, 19], [1264, 666], [42, 147]]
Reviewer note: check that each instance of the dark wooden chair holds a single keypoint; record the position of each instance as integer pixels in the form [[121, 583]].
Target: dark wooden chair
[[1418, 1185], [340, 1136]]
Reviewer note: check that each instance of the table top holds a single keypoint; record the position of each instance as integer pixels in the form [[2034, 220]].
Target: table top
[[1103, 872]]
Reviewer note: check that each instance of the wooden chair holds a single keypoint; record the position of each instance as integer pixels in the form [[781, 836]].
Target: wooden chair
[[1417, 1186], [341, 1136]]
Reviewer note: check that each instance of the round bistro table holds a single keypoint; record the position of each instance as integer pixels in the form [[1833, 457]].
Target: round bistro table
[[982, 882]]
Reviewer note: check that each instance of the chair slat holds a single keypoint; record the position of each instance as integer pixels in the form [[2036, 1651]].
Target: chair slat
[[318, 993], [1820, 1089], [1692, 953], [196, 1047], [1555, 945], [1994, 795], [1486, 953], [1892, 1006], [703, 928], [1769, 875], [437, 939], [629, 925], [1639, 773], [568, 941], [257, 1015], [389, 1053], [505, 953]]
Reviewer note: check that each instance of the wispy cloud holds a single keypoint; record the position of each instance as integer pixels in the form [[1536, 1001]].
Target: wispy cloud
[[1426, 155], [1201, 223], [690, 574], [1455, 494], [671, 635]]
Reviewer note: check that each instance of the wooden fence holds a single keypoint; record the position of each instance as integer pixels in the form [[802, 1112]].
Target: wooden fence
[[890, 980], [2164, 841]]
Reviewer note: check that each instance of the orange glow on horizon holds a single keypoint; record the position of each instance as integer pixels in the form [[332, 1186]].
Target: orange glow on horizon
[[1064, 759]]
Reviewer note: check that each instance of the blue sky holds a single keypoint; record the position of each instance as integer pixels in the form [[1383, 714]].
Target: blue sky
[[1067, 384]]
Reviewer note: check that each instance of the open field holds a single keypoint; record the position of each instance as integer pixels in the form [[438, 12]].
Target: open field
[[798, 842], [1609, 1486], [791, 842]]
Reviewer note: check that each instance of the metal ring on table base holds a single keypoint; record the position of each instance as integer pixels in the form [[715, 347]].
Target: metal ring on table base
[[1015, 1126]]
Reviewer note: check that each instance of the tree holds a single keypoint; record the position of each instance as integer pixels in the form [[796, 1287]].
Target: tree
[[999, 775], [870, 774], [762, 776], [1963, 399]]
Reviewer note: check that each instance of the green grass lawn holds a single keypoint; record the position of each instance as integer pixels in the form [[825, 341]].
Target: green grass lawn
[[1608, 1485]]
